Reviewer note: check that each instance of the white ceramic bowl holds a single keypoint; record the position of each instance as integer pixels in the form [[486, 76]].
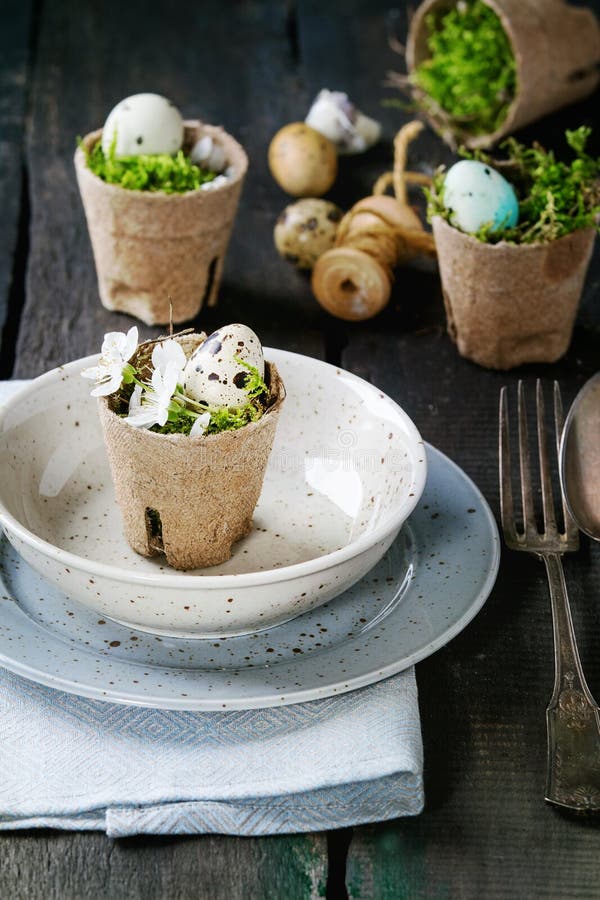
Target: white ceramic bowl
[[347, 468]]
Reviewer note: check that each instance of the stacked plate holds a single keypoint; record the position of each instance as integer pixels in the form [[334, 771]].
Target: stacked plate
[[369, 551]]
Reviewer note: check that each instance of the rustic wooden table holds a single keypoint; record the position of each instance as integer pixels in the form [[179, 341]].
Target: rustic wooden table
[[254, 65]]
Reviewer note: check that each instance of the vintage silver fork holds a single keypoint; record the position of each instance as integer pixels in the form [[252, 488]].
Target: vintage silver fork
[[572, 716]]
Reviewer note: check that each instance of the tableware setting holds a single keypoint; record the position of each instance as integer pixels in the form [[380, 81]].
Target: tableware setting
[[346, 471], [350, 652], [223, 528], [572, 716], [264, 271], [425, 589]]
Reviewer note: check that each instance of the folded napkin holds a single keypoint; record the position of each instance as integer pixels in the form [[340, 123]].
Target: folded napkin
[[73, 763]]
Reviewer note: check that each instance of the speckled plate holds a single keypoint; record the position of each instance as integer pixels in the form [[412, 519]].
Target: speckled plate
[[429, 585]]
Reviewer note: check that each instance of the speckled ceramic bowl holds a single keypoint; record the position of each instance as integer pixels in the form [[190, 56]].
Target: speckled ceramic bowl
[[347, 468]]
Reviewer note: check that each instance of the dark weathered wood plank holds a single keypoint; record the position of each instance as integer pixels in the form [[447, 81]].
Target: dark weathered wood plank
[[222, 68], [15, 37], [486, 831], [63, 866]]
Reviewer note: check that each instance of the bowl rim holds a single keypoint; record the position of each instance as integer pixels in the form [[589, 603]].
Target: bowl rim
[[246, 579]]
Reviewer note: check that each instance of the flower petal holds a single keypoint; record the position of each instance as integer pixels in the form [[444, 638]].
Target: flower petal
[[113, 346], [144, 417], [200, 425], [165, 381], [166, 352], [131, 342], [103, 389], [162, 414], [135, 401], [109, 381]]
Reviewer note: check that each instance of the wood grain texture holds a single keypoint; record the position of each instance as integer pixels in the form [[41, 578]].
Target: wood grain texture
[[15, 36], [223, 69], [90, 866], [486, 831]]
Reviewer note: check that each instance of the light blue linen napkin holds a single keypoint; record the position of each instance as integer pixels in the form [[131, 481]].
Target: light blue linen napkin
[[73, 763]]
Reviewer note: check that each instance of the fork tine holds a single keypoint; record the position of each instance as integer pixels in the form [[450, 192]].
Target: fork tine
[[559, 419], [524, 464], [545, 479], [506, 496], [571, 531]]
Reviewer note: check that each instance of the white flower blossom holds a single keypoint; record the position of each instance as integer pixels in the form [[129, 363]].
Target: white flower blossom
[[135, 401], [168, 352], [200, 425], [151, 406], [117, 350], [117, 345]]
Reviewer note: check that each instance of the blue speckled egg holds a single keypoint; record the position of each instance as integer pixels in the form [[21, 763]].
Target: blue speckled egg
[[477, 195]]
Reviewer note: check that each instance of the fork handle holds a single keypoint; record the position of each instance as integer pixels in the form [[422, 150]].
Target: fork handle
[[572, 717]]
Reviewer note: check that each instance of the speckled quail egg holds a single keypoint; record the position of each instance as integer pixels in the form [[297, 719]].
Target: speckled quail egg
[[208, 154], [305, 230], [476, 195], [214, 375], [143, 123], [302, 161]]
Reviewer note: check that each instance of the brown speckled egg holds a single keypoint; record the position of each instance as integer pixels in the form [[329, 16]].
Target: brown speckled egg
[[302, 161], [214, 373], [305, 230]]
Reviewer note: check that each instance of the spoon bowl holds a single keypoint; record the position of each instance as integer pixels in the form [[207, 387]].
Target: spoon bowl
[[579, 459]]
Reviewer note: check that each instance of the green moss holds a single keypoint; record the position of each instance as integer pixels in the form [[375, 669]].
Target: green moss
[[555, 197], [183, 411], [255, 386], [471, 74], [147, 172], [231, 419], [225, 418]]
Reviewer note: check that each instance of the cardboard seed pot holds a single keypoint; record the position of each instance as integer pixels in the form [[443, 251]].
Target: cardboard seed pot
[[150, 247], [203, 488], [557, 53], [509, 304]]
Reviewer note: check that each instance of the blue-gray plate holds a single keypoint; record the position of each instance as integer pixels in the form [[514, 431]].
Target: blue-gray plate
[[426, 589]]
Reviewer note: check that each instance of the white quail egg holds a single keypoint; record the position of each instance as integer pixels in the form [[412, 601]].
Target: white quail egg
[[143, 123], [305, 230], [334, 115], [208, 154], [214, 374], [478, 195]]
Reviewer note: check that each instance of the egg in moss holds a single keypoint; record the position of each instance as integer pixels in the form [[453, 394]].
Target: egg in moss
[[143, 123], [305, 230], [302, 161], [215, 374], [476, 195]]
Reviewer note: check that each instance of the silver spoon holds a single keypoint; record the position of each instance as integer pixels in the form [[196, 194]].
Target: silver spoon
[[579, 459]]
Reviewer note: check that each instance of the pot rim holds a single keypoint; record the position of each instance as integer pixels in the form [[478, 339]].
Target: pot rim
[[92, 138]]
